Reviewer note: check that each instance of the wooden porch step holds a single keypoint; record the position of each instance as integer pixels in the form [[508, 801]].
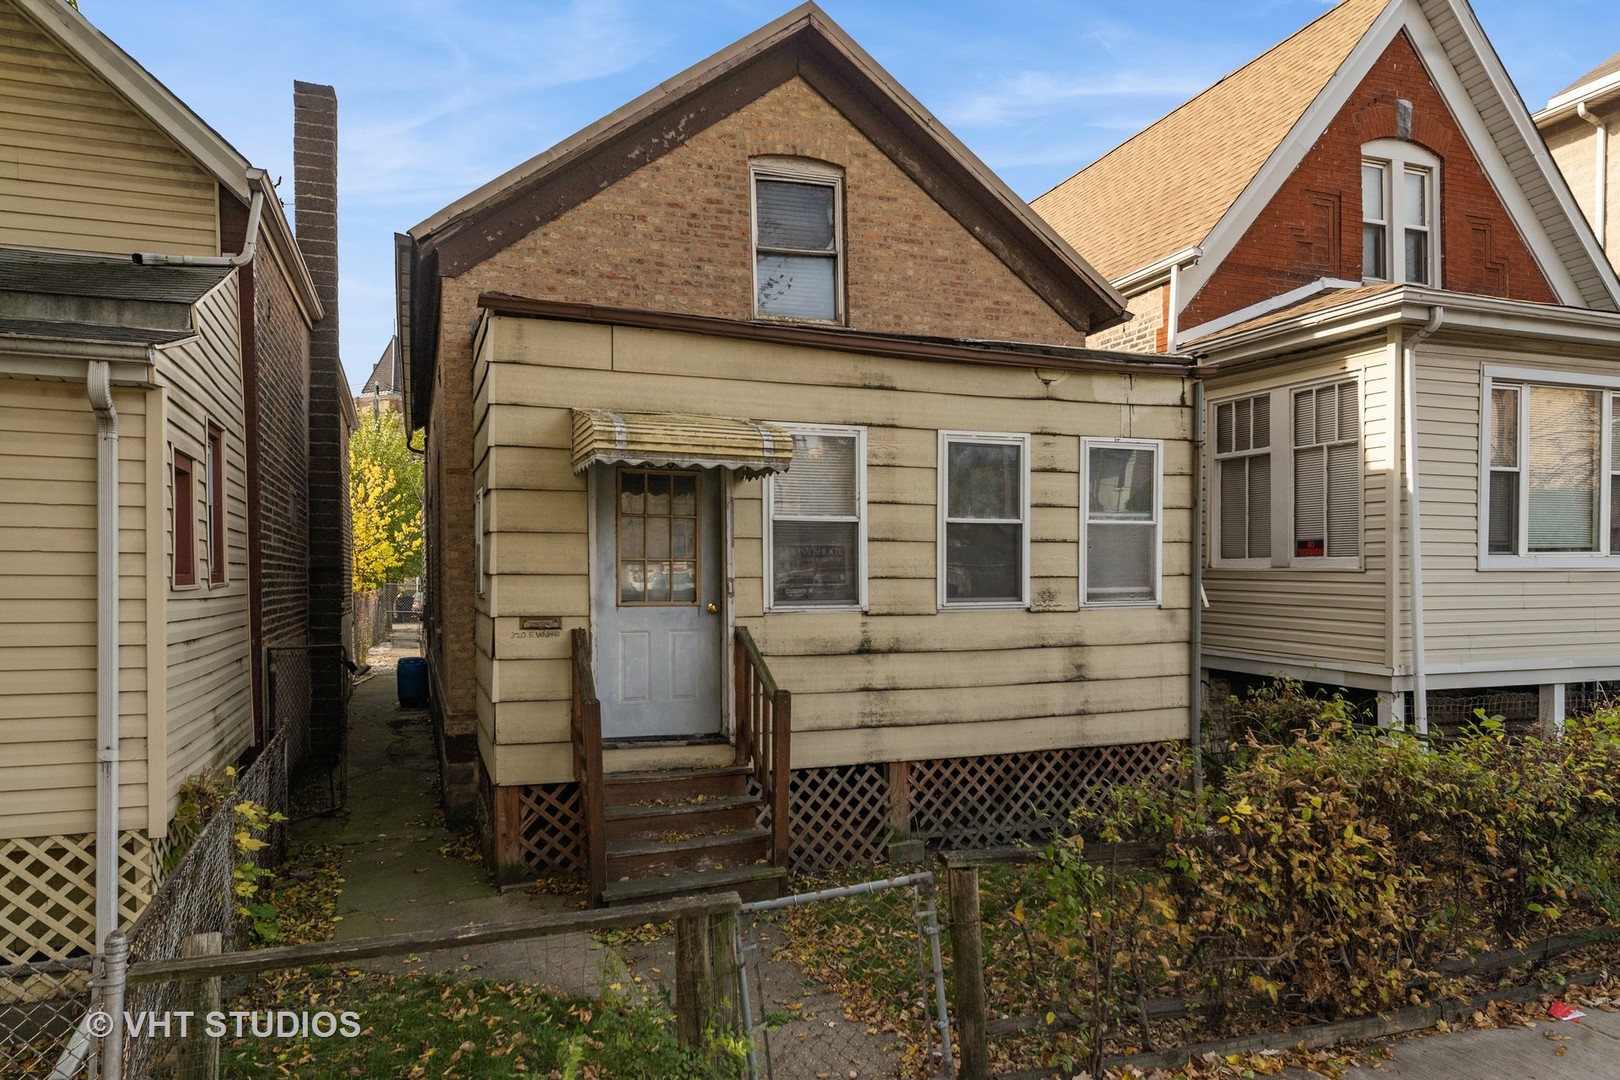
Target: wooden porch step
[[703, 814], [687, 853], [674, 785], [751, 882]]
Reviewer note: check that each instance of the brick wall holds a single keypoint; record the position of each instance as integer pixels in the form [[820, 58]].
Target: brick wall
[[282, 369], [1147, 331], [1312, 227], [315, 194]]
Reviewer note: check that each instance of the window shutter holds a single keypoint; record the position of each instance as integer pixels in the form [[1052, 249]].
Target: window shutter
[[1310, 501], [1235, 508], [1344, 500], [1260, 507]]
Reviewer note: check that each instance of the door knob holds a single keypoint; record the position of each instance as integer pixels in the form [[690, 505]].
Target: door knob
[[712, 609]]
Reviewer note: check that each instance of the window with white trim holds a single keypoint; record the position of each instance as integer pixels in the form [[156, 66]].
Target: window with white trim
[[815, 522], [1552, 470], [1399, 203], [1327, 471], [798, 239], [1123, 510], [983, 519], [1243, 473]]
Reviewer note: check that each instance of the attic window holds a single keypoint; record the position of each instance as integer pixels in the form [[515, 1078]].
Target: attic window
[[1399, 240], [798, 242]]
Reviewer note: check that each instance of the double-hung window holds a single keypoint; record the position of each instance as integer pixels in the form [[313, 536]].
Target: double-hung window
[[215, 503], [1243, 476], [1398, 203], [1327, 471], [984, 519], [1122, 496], [184, 569], [798, 240], [815, 522], [1549, 483]]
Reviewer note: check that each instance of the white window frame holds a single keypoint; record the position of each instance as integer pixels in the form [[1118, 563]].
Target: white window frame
[[942, 518], [1608, 389], [797, 171], [1282, 481], [861, 516], [1272, 450], [1157, 526], [1397, 157]]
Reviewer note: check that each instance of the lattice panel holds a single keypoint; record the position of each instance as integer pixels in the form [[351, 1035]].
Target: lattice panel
[[551, 827], [1003, 798], [840, 815], [48, 893]]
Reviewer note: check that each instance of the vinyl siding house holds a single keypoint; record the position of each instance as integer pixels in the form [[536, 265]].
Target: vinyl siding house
[[1580, 124], [1410, 338], [762, 383], [153, 431]]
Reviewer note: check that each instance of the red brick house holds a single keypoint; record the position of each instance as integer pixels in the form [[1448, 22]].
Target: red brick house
[[1410, 330], [766, 376]]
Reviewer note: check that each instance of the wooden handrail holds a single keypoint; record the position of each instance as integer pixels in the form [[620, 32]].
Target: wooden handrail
[[585, 730], [764, 720]]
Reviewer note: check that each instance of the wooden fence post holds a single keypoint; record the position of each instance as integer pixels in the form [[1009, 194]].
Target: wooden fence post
[[723, 970], [967, 971], [694, 983], [199, 1054]]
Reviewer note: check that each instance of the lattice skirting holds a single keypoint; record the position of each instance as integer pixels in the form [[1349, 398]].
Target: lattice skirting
[[847, 814], [1004, 798], [48, 893], [550, 831]]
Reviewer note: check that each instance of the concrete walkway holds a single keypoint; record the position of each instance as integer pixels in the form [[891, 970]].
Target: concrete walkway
[[396, 878], [1552, 1050]]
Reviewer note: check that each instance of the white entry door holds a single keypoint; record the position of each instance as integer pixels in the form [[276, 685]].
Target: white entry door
[[657, 607]]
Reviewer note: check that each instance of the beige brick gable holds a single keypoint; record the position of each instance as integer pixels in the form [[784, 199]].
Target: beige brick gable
[[675, 235]]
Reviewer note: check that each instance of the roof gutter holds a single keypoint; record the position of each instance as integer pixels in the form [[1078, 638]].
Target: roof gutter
[[258, 183]]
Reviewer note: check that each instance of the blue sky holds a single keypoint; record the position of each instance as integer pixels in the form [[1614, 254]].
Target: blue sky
[[435, 97]]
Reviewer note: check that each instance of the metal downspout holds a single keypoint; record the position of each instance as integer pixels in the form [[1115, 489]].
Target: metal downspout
[[1600, 174], [1414, 517], [250, 237], [1195, 635], [98, 387]]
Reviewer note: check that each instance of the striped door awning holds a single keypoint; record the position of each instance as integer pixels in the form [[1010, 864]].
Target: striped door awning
[[750, 447]]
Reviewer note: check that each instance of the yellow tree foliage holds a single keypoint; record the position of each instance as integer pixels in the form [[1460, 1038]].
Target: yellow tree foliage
[[385, 500]]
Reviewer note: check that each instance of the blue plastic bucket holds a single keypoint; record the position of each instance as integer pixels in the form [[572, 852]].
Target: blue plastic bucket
[[413, 682]]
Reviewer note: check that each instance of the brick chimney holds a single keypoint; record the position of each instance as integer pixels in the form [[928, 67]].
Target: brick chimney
[[315, 220]]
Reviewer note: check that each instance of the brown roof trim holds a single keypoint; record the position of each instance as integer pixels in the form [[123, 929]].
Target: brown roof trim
[[962, 351]]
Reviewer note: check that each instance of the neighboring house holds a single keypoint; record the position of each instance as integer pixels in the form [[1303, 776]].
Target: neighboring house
[[768, 355], [154, 454], [1410, 340], [384, 388], [1582, 127]]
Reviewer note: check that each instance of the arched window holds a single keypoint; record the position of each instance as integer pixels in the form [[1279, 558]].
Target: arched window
[[1400, 213]]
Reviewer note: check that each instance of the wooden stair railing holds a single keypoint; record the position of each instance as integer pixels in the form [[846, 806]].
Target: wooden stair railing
[[764, 716], [585, 729]]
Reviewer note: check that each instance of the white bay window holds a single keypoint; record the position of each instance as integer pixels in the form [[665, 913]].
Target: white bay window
[[1549, 454]]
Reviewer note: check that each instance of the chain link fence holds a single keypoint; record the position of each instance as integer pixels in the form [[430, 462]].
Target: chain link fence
[[874, 1004], [41, 1006]]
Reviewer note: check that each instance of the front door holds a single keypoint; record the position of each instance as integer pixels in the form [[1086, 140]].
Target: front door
[[657, 606]]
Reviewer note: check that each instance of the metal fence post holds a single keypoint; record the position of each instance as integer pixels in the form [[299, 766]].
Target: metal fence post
[[116, 966], [967, 970]]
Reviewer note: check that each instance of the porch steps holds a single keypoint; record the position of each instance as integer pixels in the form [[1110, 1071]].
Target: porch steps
[[675, 831]]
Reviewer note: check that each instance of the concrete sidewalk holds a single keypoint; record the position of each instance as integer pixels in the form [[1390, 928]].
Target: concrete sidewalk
[[1588, 1049], [396, 878]]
